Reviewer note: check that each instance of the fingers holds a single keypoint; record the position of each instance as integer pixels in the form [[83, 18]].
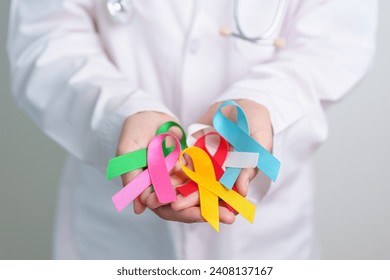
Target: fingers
[[145, 195], [243, 180], [188, 215], [183, 202], [150, 200], [177, 176], [185, 209], [138, 206], [225, 216], [192, 214]]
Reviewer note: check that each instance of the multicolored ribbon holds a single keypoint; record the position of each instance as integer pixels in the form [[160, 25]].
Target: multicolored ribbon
[[138, 159], [157, 174], [210, 190], [237, 134]]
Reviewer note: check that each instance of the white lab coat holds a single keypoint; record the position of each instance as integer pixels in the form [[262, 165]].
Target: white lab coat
[[79, 75]]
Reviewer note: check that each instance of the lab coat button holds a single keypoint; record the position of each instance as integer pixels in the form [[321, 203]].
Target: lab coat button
[[194, 46]]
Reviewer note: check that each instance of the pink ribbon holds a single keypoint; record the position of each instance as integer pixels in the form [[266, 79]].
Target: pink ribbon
[[157, 174]]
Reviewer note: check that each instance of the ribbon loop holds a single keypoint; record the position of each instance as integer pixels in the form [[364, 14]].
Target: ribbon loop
[[164, 128], [217, 160], [210, 189], [237, 134]]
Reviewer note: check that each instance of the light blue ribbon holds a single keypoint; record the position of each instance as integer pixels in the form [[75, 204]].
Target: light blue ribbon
[[230, 177], [237, 134]]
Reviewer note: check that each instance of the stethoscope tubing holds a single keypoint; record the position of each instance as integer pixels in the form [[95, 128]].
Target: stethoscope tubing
[[263, 38], [119, 7]]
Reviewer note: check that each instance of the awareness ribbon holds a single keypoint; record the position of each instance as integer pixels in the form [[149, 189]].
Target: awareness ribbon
[[237, 134], [233, 161], [217, 160], [138, 159], [210, 190], [157, 174]]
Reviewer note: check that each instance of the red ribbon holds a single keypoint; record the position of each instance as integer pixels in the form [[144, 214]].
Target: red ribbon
[[217, 160]]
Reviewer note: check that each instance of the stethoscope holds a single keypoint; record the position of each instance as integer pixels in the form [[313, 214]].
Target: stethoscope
[[265, 37], [120, 12]]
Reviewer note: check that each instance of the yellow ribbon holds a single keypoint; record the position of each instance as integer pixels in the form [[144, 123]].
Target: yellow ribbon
[[210, 189]]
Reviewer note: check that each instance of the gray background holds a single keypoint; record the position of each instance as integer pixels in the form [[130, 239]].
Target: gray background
[[353, 175]]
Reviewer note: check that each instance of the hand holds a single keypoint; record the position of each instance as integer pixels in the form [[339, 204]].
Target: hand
[[184, 209], [260, 129], [137, 131]]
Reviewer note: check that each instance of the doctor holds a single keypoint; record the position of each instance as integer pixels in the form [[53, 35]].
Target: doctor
[[93, 74]]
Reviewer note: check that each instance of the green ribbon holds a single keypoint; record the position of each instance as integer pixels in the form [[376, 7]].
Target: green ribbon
[[136, 160]]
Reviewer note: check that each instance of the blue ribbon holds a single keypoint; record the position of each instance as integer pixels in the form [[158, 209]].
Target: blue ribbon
[[237, 134], [230, 177]]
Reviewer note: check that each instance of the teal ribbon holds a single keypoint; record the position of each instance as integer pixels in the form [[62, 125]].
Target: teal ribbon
[[237, 134]]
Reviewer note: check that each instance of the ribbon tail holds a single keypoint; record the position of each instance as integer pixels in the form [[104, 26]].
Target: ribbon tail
[[209, 207], [133, 189], [125, 163], [230, 176], [235, 200], [269, 165], [241, 141]]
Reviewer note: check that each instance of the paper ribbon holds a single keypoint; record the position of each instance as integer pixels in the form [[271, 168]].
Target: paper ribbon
[[157, 174], [237, 134], [210, 190], [234, 161], [138, 159]]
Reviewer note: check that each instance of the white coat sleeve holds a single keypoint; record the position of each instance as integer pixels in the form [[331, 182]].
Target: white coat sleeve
[[330, 44], [62, 77]]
